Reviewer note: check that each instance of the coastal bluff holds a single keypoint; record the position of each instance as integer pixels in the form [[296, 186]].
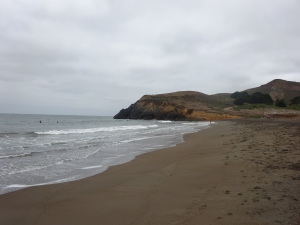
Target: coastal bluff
[[184, 105], [192, 105]]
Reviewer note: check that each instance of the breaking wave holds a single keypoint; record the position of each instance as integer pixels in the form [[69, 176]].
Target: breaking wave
[[94, 130], [16, 155]]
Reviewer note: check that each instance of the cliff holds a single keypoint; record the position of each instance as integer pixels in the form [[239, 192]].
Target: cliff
[[185, 105], [191, 105]]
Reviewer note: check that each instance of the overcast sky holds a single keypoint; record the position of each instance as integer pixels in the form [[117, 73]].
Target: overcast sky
[[94, 57]]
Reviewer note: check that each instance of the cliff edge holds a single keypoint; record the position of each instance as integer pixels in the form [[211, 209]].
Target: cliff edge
[[192, 105], [185, 105]]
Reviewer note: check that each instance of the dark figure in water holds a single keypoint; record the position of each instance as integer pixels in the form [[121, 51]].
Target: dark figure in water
[[40, 121]]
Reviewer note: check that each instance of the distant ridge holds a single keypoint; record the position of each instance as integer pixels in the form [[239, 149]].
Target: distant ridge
[[192, 105], [278, 89]]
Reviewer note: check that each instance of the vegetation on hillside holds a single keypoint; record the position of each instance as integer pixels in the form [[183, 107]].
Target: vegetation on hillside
[[280, 103], [277, 96], [295, 101], [260, 100], [255, 98]]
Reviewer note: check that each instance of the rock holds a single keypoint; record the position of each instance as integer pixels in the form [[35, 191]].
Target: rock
[[174, 106], [191, 105]]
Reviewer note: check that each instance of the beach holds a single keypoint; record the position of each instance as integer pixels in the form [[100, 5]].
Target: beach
[[236, 172]]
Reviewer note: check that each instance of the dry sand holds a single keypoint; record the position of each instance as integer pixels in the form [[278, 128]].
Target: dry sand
[[238, 172]]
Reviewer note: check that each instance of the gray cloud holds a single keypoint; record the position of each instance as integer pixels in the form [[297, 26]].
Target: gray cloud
[[97, 56]]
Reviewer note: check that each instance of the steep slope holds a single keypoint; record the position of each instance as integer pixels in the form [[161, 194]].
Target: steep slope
[[278, 89], [186, 105], [191, 105]]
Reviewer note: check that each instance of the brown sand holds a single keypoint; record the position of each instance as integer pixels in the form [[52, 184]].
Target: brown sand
[[238, 172]]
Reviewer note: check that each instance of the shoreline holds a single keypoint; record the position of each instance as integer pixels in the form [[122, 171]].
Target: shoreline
[[120, 158], [236, 172]]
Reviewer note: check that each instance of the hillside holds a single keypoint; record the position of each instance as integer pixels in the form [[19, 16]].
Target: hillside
[[186, 105], [191, 105], [278, 89]]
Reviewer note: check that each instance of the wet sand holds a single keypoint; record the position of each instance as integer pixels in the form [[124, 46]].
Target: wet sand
[[238, 172]]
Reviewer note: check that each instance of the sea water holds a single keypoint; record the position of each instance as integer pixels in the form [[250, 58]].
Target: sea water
[[46, 149]]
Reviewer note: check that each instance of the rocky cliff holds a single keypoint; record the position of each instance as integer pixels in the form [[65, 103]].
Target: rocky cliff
[[191, 105], [185, 105]]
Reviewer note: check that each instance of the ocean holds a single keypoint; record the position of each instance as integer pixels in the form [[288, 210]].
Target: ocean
[[46, 149]]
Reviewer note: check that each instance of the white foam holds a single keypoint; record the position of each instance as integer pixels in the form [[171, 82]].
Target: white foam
[[18, 186], [201, 124], [16, 155], [135, 139], [91, 167], [28, 169], [40, 184], [94, 130]]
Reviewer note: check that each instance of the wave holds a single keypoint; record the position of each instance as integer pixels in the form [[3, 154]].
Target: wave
[[40, 167], [39, 184], [94, 130], [16, 155], [197, 123], [31, 134], [7, 134], [58, 143], [135, 139], [91, 167], [15, 134], [19, 155]]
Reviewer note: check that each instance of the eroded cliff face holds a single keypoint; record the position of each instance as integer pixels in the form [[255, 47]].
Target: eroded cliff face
[[191, 105], [173, 106]]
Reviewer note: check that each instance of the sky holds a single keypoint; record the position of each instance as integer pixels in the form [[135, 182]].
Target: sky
[[95, 57]]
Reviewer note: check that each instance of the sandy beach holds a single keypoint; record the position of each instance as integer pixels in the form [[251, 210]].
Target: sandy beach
[[237, 172]]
